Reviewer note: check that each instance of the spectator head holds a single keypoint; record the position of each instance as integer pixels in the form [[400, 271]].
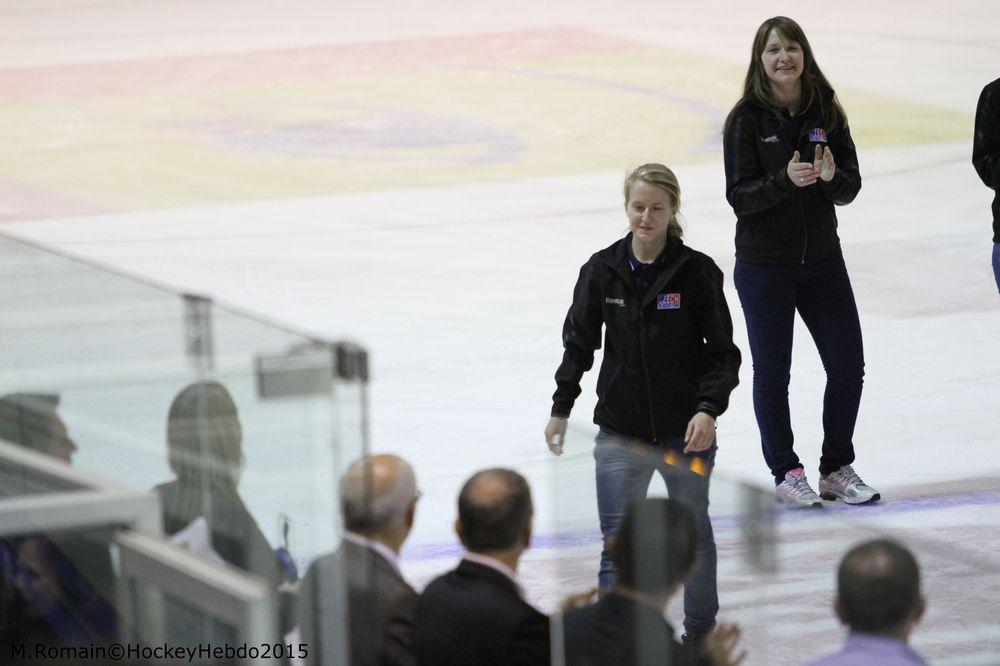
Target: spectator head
[[378, 497], [654, 547], [30, 419], [204, 435], [878, 589], [494, 513]]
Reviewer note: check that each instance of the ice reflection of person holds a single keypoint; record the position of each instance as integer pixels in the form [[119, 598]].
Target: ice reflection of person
[[205, 444], [30, 419], [55, 589]]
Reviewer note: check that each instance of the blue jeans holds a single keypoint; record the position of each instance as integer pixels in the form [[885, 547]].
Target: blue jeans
[[996, 264], [822, 295], [623, 477]]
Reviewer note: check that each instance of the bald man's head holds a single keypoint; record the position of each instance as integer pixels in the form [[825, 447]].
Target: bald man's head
[[377, 493], [878, 588], [494, 511]]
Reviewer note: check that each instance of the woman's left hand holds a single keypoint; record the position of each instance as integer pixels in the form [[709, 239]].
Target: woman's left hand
[[824, 164], [700, 433]]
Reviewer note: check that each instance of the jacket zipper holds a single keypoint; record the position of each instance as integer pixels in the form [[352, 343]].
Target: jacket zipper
[[645, 371], [805, 227], [805, 234]]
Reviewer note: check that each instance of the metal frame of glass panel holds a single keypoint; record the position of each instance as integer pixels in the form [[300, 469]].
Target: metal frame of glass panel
[[79, 500], [243, 601]]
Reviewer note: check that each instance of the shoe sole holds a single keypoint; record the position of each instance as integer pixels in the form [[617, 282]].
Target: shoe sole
[[794, 505], [831, 497]]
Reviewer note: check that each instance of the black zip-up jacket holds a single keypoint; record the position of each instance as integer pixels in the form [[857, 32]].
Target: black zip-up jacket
[[665, 358], [779, 224], [986, 147]]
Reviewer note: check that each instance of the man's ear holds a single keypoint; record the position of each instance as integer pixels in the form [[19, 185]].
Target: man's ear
[[411, 514], [458, 530]]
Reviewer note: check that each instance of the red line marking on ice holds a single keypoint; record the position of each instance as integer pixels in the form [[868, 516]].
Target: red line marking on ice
[[305, 63]]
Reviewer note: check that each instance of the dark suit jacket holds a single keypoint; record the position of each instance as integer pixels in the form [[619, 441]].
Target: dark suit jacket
[[374, 589], [473, 616], [618, 630]]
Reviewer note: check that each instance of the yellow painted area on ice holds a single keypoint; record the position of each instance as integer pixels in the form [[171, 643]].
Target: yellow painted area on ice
[[425, 127]]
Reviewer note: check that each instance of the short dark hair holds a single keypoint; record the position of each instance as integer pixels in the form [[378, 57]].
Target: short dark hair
[[878, 586], [654, 547], [498, 521]]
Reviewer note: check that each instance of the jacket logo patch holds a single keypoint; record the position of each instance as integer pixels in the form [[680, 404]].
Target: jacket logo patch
[[620, 302], [668, 302], [769, 139], [817, 135]]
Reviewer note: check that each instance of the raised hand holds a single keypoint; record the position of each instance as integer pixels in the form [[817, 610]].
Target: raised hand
[[720, 646], [824, 164], [803, 174]]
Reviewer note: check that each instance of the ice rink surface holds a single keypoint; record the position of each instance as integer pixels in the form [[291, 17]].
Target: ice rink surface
[[427, 179]]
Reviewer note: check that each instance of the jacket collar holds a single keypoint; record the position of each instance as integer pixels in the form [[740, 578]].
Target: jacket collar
[[484, 572], [496, 565], [379, 548], [673, 257]]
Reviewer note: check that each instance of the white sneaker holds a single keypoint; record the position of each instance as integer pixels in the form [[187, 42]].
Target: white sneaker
[[795, 491], [846, 485]]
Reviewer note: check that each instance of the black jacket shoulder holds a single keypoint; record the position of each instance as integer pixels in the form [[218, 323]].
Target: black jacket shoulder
[[608, 633], [474, 615], [375, 594]]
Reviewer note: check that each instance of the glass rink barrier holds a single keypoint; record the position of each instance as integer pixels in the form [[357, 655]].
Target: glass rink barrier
[[189, 450], [775, 567]]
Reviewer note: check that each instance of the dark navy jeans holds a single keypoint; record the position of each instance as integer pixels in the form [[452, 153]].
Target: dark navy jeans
[[623, 475], [822, 295]]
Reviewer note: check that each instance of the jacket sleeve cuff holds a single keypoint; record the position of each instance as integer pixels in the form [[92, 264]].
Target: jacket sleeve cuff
[[785, 181], [709, 408], [561, 411], [838, 175]]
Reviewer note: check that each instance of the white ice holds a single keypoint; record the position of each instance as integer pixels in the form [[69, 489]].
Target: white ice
[[459, 292]]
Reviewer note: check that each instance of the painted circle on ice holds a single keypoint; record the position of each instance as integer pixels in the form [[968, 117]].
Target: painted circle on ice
[[373, 135]]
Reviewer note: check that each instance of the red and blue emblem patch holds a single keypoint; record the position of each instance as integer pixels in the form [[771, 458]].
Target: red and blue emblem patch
[[668, 301], [817, 135]]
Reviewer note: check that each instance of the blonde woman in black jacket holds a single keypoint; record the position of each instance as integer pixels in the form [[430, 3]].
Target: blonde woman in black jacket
[[790, 161], [669, 367]]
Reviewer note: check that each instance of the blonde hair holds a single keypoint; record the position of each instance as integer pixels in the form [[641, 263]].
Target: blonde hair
[[662, 177]]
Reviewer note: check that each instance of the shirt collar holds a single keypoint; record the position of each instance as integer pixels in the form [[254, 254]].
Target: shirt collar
[[634, 262], [881, 644], [387, 553], [496, 565]]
